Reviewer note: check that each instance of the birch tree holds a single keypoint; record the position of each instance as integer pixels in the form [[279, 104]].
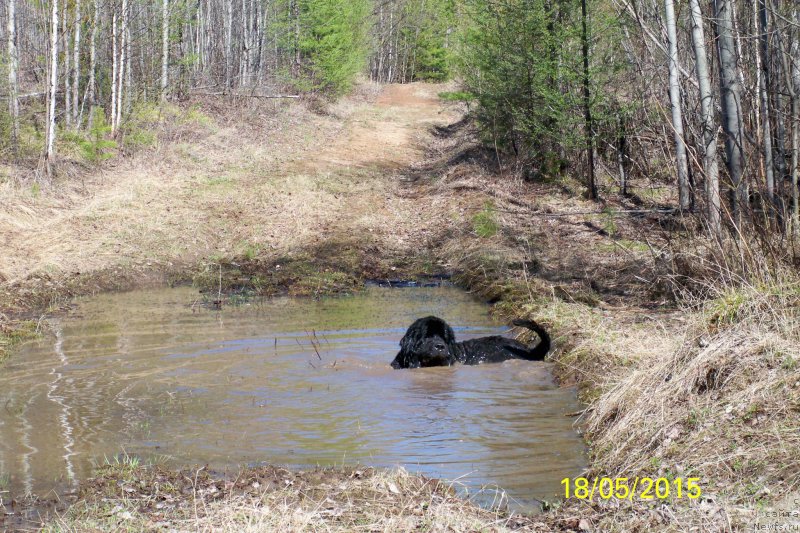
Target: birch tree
[[765, 86], [164, 48], [122, 65], [709, 127], [13, 66], [114, 71], [684, 193], [76, 62], [228, 43], [731, 101], [65, 34], [92, 83], [795, 81], [52, 87]]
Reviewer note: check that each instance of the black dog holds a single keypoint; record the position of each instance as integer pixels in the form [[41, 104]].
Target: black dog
[[431, 342]]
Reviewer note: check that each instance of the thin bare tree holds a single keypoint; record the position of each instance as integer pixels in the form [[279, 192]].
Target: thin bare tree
[[52, 87], [766, 109], [76, 62], [795, 118], [684, 192], [13, 67], [92, 83], [164, 48], [731, 101], [114, 70], [710, 165], [587, 108]]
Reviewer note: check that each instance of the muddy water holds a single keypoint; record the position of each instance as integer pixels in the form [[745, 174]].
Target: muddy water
[[285, 381]]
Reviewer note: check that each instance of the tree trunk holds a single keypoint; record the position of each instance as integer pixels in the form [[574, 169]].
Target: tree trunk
[[76, 63], [710, 165], [262, 44], [228, 43], [126, 22], [52, 86], [587, 108], [67, 68], [13, 66], [684, 192], [731, 102], [766, 86], [122, 62], [114, 71], [623, 158], [795, 121], [164, 48], [92, 89], [260, 21], [782, 78], [297, 57]]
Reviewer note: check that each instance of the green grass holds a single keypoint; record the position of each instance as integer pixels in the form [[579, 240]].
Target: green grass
[[16, 334], [456, 96], [484, 223], [218, 181]]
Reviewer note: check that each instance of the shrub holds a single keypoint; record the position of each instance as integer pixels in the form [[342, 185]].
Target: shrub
[[96, 147]]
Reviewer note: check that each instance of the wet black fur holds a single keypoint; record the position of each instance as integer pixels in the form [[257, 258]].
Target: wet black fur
[[430, 341]]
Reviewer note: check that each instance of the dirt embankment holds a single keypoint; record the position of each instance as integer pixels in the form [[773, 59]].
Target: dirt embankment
[[389, 184]]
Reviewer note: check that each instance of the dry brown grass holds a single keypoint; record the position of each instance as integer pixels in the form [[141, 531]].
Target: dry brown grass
[[255, 182], [723, 406], [274, 499]]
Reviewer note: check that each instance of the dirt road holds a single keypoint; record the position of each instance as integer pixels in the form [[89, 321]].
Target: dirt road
[[273, 179]]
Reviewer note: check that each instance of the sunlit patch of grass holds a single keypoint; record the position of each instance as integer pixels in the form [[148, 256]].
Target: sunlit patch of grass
[[250, 251], [484, 223], [218, 181], [195, 115], [324, 283], [725, 309], [122, 464], [623, 245]]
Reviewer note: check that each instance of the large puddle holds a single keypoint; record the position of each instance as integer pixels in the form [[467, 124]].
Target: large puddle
[[284, 381]]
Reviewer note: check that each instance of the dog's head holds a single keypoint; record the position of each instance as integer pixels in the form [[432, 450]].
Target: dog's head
[[428, 342]]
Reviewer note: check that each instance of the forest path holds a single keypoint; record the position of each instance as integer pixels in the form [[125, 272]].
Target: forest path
[[271, 182]]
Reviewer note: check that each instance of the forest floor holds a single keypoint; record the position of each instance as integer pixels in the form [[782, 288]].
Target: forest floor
[[391, 183]]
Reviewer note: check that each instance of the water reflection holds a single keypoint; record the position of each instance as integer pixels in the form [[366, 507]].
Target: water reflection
[[295, 382]]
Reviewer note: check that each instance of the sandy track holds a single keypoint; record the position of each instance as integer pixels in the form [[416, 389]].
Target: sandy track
[[238, 186]]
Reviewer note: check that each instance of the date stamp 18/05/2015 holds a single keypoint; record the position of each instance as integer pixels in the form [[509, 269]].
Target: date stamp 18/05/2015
[[623, 488]]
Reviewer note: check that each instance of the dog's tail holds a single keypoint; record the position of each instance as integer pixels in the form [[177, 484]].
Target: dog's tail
[[538, 352]]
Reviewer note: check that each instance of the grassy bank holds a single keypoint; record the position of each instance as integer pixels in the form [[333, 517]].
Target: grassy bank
[[134, 498], [687, 369]]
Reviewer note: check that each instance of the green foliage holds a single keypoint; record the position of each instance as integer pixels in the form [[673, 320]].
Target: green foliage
[[426, 35], [138, 129], [5, 131], [96, 147], [195, 115], [522, 59], [333, 43], [456, 96], [516, 57], [484, 223]]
